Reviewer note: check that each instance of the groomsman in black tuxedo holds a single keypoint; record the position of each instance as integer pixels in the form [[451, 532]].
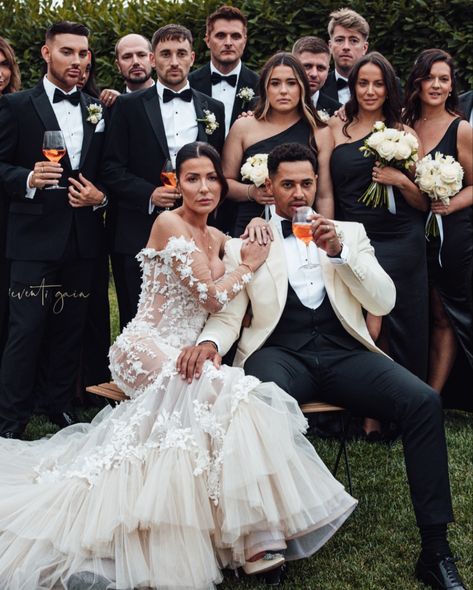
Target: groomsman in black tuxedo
[[314, 55], [53, 235], [348, 32], [227, 79], [226, 76], [147, 129]]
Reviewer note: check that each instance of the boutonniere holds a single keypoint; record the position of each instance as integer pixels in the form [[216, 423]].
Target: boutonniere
[[95, 113], [246, 95], [323, 115], [210, 120]]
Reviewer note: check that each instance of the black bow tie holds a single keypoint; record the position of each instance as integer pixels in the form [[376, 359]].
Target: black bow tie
[[73, 98], [170, 95], [341, 83], [286, 227], [216, 78]]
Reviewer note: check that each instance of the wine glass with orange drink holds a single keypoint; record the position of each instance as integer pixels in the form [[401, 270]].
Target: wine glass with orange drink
[[54, 149], [168, 176], [302, 229]]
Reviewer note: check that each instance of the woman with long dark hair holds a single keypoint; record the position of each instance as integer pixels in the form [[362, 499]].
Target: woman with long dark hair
[[284, 114], [431, 108], [183, 478], [10, 80], [396, 233]]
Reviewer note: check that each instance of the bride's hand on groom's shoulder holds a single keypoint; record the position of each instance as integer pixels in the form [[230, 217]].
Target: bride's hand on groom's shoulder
[[192, 358]]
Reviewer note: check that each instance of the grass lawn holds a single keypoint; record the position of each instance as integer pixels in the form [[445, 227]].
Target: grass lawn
[[378, 546]]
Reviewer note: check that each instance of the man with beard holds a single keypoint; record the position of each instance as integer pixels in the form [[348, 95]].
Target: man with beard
[[147, 130], [134, 60], [53, 236]]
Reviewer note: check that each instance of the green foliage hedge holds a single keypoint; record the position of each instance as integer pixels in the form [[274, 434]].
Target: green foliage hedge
[[399, 28]]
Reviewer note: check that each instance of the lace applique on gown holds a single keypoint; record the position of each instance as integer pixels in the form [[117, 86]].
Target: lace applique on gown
[[181, 480]]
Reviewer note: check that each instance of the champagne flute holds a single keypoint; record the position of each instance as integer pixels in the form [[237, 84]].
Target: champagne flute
[[302, 229], [54, 149], [168, 174]]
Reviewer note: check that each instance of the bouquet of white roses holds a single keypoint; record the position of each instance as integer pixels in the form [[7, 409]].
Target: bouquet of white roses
[[391, 147], [439, 178], [255, 169]]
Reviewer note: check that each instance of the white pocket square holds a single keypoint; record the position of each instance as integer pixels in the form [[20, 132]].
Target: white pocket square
[[100, 128]]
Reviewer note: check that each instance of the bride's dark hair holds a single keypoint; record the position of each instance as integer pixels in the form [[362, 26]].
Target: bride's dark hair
[[199, 149]]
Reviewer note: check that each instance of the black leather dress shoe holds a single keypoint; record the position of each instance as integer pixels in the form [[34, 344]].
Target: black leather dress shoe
[[63, 419], [275, 577], [441, 574], [11, 434]]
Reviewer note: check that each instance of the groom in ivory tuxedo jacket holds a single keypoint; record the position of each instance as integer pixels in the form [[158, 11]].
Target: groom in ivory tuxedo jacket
[[308, 334]]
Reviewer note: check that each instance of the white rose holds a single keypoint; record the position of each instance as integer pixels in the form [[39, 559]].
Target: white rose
[[426, 183], [259, 175], [387, 149], [379, 126], [450, 173], [403, 150], [391, 133], [411, 141], [442, 191], [375, 139]]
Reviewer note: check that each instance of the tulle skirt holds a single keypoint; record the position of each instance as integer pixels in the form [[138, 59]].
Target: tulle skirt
[[166, 489]]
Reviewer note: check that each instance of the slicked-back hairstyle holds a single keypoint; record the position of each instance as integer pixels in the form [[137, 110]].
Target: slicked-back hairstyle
[[15, 80], [420, 72], [66, 27], [171, 33], [200, 149], [313, 45], [392, 103], [348, 19], [225, 13], [290, 152], [117, 44], [306, 108]]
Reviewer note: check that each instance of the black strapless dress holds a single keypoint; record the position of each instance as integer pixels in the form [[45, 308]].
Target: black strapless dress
[[399, 243], [453, 280], [298, 133]]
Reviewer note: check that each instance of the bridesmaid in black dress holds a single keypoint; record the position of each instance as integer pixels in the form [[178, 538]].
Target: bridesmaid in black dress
[[9, 82], [431, 108], [397, 234], [284, 114]]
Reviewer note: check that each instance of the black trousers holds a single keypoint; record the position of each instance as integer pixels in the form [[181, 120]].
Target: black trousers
[[47, 309], [127, 277], [370, 384]]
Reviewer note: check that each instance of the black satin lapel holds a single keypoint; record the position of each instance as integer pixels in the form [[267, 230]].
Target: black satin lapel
[[46, 114], [88, 128], [151, 104], [207, 84], [199, 107]]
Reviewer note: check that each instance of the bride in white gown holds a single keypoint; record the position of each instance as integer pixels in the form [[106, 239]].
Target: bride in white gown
[[183, 479]]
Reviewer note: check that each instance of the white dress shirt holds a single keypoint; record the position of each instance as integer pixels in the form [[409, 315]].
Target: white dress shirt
[[315, 98], [344, 93], [179, 120], [69, 118], [226, 93]]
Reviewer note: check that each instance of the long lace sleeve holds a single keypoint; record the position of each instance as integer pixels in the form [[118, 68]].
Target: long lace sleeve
[[192, 268]]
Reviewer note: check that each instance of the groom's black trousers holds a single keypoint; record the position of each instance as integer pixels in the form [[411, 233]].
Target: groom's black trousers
[[370, 384]]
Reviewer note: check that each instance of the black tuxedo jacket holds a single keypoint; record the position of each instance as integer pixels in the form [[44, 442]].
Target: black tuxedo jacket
[[327, 103], [39, 228], [465, 104], [330, 87], [200, 80], [135, 152]]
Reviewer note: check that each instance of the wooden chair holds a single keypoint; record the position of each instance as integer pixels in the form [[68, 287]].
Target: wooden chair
[[115, 395]]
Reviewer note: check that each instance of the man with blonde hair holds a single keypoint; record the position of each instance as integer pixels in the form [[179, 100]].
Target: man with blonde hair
[[348, 32]]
